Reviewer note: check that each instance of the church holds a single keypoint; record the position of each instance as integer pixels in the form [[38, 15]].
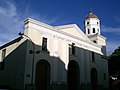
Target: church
[[64, 57]]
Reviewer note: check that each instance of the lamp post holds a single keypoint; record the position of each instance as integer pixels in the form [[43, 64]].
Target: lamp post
[[33, 52]]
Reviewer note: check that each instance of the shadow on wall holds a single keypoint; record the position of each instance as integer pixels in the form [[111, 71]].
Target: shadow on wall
[[33, 66], [28, 66], [12, 74]]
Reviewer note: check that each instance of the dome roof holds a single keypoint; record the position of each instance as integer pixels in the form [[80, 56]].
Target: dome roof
[[91, 15]]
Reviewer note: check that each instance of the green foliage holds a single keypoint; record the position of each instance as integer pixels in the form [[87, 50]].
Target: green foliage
[[114, 61], [116, 52]]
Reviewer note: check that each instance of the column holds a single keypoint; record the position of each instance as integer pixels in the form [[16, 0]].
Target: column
[[55, 60]]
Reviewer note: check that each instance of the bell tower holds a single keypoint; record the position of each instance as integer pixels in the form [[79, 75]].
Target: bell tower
[[92, 24], [92, 30]]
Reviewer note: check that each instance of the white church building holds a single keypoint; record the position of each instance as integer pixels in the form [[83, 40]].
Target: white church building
[[49, 57]]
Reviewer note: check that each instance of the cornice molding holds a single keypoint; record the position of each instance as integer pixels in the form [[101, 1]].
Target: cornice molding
[[88, 43], [97, 35]]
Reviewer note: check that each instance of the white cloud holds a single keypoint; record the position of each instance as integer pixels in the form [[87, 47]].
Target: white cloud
[[117, 19], [110, 30], [38, 16], [8, 10], [111, 46], [112, 35], [11, 20]]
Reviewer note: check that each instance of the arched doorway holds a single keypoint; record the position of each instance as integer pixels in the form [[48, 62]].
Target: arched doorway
[[94, 79], [42, 75], [73, 76]]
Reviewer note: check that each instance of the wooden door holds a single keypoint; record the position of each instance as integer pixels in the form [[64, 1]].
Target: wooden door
[[42, 75], [94, 79], [73, 76]]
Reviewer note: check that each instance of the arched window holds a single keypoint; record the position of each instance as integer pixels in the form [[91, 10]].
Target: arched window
[[95, 41], [97, 23], [93, 30], [73, 49], [88, 23], [88, 31], [93, 57]]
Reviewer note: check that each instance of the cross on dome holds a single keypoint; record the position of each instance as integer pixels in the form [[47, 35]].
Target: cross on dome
[[91, 15]]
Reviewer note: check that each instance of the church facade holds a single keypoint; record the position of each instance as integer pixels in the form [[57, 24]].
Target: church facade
[[56, 57]]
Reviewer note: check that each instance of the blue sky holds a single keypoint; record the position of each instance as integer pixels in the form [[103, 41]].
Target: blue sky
[[60, 12]]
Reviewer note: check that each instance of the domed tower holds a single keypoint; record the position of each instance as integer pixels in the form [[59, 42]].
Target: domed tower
[[92, 24], [92, 30]]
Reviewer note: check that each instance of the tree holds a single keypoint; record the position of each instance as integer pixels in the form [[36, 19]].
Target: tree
[[116, 53], [114, 63], [114, 69]]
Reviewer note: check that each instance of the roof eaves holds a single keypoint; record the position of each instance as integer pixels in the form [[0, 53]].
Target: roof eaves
[[11, 42]]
